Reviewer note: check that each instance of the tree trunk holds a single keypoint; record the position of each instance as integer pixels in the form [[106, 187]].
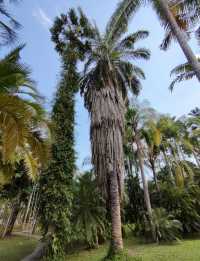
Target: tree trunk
[[116, 232], [38, 253], [168, 166], [180, 37], [145, 186], [196, 159], [155, 176], [11, 220], [107, 110]]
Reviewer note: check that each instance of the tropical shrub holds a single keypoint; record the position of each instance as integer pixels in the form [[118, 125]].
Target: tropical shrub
[[89, 215], [183, 204], [167, 227]]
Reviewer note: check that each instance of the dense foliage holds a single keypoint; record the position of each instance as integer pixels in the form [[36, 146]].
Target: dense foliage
[[56, 181], [175, 183], [89, 213]]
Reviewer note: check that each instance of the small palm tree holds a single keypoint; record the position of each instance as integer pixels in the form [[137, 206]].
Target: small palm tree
[[152, 136], [89, 212], [167, 227]]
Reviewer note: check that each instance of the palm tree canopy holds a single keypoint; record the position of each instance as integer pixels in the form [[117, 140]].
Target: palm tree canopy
[[22, 118], [108, 58]]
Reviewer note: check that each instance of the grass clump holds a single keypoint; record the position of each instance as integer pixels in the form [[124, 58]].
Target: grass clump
[[121, 256]]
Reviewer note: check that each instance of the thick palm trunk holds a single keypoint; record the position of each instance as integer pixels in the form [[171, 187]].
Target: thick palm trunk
[[180, 38], [145, 186], [107, 109]]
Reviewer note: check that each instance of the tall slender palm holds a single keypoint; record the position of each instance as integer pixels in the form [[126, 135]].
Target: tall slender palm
[[164, 9], [152, 136], [133, 122], [108, 74]]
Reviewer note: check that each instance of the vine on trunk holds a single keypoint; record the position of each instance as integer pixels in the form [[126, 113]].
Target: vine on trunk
[[56, 182]]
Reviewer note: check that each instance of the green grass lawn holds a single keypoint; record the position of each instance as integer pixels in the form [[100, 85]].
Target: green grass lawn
[[187, 250], [15, 248]]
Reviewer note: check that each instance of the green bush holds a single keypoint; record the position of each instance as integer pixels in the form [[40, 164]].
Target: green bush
[[184, 205], [167, 227]]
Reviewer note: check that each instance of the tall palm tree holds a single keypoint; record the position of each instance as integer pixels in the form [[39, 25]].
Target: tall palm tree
[[108, 74], [165, 11], [152, 136], [133, 122]]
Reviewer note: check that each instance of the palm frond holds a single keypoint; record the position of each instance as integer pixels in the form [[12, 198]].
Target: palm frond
[[118, 23], [131, 39], [180, 78], [8, 26], [139, 53]]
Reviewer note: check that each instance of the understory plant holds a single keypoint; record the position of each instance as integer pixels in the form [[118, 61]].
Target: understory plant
[[167, 228], [89, 215]]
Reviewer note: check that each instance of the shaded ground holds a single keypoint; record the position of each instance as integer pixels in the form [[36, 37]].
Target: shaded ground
[[15, 248]]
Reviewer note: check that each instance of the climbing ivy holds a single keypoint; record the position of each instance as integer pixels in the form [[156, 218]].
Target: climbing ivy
[[56, 181]]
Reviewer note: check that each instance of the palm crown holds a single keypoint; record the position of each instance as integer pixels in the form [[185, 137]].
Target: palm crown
[[107, 59], [21, 116]]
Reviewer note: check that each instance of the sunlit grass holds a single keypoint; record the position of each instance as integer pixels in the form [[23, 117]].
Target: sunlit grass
[[15, 248], [186, 250]]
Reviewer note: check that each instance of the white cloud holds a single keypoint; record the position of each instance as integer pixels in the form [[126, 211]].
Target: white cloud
[[42, 18]]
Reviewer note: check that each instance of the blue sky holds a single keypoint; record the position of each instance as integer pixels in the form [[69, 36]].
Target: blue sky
[[37, 16]]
